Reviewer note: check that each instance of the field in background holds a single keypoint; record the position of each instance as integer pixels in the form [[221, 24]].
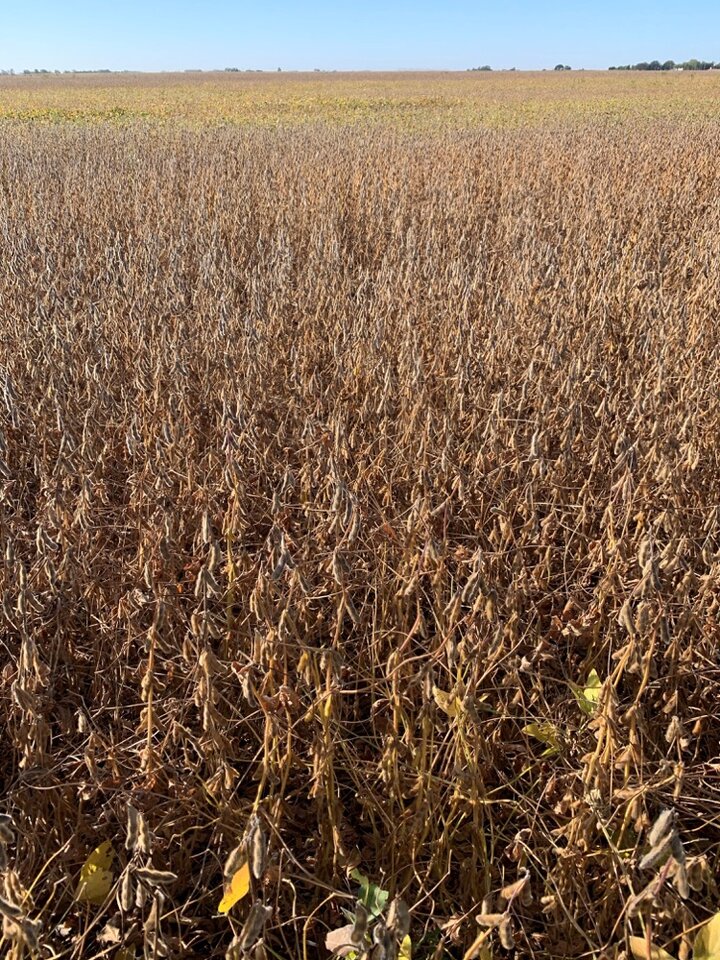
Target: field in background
[[369, 484], [404, 101]]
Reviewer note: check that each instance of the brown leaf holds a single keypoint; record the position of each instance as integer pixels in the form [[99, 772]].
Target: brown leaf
[[340, 942]]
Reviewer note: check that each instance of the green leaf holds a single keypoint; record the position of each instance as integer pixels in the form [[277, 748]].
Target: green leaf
[[372, 897], [707, 941], [588, 696]]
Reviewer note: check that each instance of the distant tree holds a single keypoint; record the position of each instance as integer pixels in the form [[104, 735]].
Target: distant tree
[[560, 66], [667, 65]]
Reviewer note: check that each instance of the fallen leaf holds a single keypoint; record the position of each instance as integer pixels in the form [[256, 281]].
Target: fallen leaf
[[405, 949]]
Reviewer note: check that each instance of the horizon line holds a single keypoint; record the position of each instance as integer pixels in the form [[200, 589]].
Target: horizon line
[[44, 71]]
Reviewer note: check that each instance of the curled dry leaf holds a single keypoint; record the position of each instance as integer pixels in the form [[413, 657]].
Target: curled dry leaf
[[340, 942]]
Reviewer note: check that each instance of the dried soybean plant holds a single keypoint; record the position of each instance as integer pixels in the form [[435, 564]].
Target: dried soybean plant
[[369, 483]]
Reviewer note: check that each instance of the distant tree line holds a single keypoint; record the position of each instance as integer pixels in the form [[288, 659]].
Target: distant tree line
[[671, 65], [31, 73], [560, 66]]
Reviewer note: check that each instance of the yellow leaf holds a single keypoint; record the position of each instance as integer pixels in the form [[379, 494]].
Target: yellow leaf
[[546, 733], [237, 889], [448, 703], [707, 941], [96, 877], [124, 953], [639, 949], [593, 688], [588, 696], [405, 949]]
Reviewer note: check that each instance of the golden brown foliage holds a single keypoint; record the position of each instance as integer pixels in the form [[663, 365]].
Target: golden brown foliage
[[409, 101], [332, 464]]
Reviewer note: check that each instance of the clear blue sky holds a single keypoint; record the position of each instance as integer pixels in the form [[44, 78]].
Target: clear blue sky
[[345, 35]]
